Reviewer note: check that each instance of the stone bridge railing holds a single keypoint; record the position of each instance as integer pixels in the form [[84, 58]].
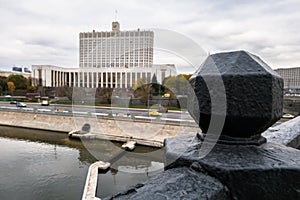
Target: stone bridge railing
[[238, 163]]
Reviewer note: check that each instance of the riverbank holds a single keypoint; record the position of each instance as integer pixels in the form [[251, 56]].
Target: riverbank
[[144, 132], [39, 121]]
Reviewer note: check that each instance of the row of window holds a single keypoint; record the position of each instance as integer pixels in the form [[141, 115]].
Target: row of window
[[116, 34], [118, 39], [113, 57], [119, 54], [107, 65], [112, 48], [98, 79]]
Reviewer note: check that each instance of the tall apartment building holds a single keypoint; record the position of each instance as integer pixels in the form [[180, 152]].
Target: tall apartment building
[[113, 59], [116, 48], [291, 77]]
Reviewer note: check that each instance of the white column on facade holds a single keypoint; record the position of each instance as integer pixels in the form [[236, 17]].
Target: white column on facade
[[125, 82], [45, 78], [83, 80], [106, 79], [131, 79], [97, 79], [75, 80], [56, 78], [101, 78], [78, 79], [121, 80], [58, 82], [70, 79], [93, 82], [62, 79], [33, 77], [88, 79], [116, 79], [53, 79], [111, 79], [84, 76], [65, 78]]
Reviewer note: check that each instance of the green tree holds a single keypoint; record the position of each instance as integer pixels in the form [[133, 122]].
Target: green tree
[[177, 84], [142, 90], [157, 88], [19, 81], [139, 83], [187, 76], [31, 89], [3, 84], [11, 86], [154, 79], [107, 93]]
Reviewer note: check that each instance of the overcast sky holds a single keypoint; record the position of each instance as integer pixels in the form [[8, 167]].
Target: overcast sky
[[47, 32]]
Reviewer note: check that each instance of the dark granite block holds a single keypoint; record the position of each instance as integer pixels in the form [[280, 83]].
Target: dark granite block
[[179, 183], [252, 91]]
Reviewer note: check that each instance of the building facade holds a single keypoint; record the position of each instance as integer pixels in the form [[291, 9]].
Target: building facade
[[291, 77], [8, 73], [114, 59], [53, 76], [116, 48]]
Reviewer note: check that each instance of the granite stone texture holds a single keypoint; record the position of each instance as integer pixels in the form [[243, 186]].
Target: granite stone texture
[[251, 89], [287, 133], [239, 163], [180, 183], [268, 171]]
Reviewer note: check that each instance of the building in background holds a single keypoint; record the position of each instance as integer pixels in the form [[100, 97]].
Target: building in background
[[113, 59], [15, 71], [291, 77], [116, 49], [54, 76]]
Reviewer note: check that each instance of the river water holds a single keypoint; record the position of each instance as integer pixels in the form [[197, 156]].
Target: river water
[[48, 165]]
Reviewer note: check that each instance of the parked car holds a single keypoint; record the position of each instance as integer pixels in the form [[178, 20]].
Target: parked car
[[20, 104], [7, 96], [13, 102], [45, 103], [155, 113], [288, 116]]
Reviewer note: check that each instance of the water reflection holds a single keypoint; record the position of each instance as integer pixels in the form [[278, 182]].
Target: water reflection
[[47, 165]]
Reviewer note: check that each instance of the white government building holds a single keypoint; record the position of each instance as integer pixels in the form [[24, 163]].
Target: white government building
[[113, 59], [291, 77]]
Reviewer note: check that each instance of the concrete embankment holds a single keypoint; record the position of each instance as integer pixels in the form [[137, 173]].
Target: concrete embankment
[[37, 121], [143, 132]]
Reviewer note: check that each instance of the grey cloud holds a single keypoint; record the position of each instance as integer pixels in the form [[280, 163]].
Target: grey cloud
[[46, 32]]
